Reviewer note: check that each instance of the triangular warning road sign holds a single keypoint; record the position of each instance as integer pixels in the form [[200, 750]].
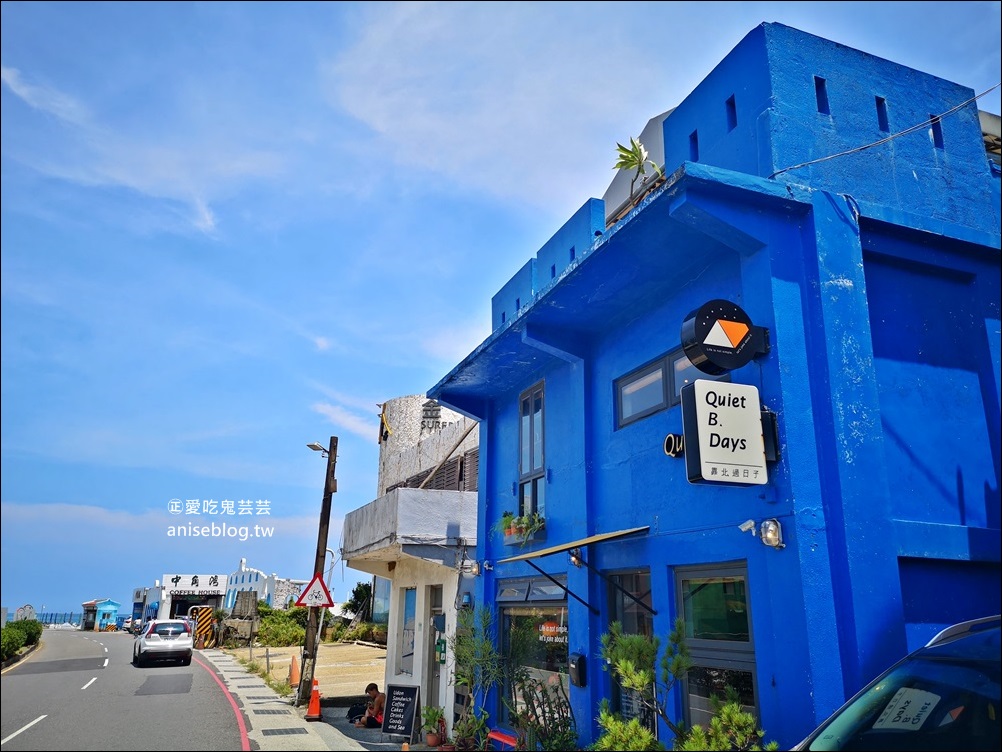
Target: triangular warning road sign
[[316, 594]]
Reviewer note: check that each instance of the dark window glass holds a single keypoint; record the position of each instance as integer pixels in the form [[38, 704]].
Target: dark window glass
[[655, 386], [635, 620], [534, 642], [531, 452], [704, 682], [716, 610]]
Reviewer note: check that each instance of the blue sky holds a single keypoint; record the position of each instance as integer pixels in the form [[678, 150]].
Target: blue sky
[[230, 229]]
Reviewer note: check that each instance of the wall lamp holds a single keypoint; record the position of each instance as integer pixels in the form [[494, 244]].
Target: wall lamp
[[477, 568], [770, 532], [576, 558]]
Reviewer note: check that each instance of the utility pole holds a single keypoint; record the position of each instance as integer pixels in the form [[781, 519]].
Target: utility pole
[[312, 638]]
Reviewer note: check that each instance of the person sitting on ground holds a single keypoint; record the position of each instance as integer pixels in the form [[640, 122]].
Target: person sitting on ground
[[373, 717]]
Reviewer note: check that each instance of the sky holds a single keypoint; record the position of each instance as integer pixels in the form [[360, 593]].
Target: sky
[[232, 229]]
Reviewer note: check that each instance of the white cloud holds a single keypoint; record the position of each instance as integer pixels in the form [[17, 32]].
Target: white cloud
[[349, 421], [43, 98], [511, 99], [187, 166]]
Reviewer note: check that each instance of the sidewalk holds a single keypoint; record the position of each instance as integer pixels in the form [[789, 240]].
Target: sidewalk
[[275, 725]]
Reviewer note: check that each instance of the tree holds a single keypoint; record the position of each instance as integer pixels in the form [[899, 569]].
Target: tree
[[635, 157], [731, 728], [360, 602], [633, 660], [477, 666]]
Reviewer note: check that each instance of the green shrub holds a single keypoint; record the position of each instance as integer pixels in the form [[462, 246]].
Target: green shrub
[[335, 632], [31, 629], [361, 632], [279, 632], [730, 728], [297, 614], [11, 640], [628, 736]]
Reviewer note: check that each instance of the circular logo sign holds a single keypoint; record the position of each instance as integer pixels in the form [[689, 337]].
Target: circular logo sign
[[717, 337]]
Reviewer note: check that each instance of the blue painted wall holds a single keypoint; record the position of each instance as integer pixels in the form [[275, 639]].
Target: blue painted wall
[[877, 276], [568, 246]]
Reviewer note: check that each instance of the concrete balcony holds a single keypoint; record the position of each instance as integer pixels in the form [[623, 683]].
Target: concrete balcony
[[417, 523]]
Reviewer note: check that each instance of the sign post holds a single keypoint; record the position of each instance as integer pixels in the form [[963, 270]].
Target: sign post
[[310, 646]]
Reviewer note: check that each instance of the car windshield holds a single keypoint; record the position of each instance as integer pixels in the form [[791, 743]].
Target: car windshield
[[943, 697]]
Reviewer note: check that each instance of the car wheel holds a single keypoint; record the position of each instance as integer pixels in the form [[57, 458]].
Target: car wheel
[[140, 661]]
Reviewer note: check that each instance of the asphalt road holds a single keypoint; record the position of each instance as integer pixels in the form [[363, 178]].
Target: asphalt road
[[80, 691]]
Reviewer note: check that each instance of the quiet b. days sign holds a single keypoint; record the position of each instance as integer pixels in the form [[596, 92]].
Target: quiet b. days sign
[[722, 424]]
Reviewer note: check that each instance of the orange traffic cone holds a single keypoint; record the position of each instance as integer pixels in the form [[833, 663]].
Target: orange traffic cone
[[294, 673], [313, 712]]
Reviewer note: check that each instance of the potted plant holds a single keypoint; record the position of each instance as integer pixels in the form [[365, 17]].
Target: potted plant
[[505, 524], [471, 729], [433, 724], [635, 157], [477, 667], [536, 523]]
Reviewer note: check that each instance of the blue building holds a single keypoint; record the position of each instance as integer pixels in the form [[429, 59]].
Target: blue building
[[849, 209]]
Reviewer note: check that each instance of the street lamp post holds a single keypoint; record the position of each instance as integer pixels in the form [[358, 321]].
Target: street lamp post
[[310, 648]]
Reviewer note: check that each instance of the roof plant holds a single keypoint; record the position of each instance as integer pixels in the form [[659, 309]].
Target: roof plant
[[635, 157]]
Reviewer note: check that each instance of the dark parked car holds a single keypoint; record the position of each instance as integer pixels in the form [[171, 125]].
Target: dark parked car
[[943, 696]]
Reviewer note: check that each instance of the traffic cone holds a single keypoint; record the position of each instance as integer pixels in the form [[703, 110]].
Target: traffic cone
[[313, 712], [294, 673]]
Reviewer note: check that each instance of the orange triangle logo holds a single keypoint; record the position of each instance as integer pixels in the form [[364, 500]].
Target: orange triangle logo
[[735, 331]]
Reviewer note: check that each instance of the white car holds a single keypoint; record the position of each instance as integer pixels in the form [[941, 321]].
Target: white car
[[166, 639]]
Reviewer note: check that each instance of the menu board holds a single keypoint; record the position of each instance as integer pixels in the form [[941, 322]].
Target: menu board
[[400, 710]]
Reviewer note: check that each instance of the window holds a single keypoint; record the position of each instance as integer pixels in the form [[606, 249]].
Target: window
[[882, 121], [715, 608], [821, 95], [635, 620], [936, 131], [531, 475], [683, 372], [732, 114], [533, 637], [642, 393], [407, 624], [656, 386]]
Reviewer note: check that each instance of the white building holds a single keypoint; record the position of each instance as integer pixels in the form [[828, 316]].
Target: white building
[[271, 589], [420, 533]]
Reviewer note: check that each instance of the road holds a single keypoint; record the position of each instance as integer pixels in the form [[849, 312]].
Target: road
[[79, 690]]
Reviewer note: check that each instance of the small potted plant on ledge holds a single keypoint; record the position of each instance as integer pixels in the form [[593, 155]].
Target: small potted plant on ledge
[[433, 724], [506, 524], [525, 528]]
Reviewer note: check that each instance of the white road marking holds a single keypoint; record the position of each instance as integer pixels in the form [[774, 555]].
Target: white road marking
[[25, 728], [89, 683], [105, 663], [106, 650]]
